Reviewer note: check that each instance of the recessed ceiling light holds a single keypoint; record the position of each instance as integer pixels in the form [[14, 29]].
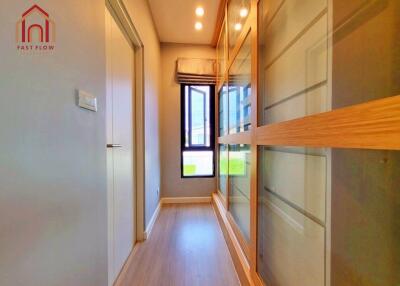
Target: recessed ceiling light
[[243, 12], [199, 11], [198, 26], [238, 27]]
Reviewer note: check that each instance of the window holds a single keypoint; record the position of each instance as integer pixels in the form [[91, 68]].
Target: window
[[197, 131]]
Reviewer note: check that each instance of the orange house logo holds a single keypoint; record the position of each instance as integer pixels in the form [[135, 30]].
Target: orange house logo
[[35, 30]]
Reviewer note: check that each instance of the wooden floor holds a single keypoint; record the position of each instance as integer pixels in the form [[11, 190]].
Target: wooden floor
[[186, 248]]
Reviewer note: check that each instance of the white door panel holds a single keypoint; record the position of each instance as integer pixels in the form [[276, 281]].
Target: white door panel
[[120, 124]]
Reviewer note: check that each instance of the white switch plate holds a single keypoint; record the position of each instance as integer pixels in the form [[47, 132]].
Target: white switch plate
[[87, 101]]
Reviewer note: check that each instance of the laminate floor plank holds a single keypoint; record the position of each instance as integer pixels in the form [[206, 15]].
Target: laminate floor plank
[[186, 248]]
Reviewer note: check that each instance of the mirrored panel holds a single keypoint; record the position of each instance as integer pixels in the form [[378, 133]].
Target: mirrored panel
[[239, 186], [223, 169], [238, 12], [223, 111], [240, 90]]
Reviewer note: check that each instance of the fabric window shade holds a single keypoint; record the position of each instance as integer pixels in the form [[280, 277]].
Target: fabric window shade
[[196, 71]]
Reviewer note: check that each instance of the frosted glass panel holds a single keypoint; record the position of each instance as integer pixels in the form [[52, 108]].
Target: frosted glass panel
[[365, 217], [239, 192], [291, 215], [293, 59]]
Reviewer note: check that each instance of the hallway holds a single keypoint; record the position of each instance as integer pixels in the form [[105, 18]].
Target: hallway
[[186, 247]]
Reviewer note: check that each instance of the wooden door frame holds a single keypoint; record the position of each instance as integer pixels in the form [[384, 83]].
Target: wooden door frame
[[121, 16]]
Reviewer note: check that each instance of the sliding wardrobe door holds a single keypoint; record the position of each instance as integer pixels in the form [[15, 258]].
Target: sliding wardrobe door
[[328, 136]]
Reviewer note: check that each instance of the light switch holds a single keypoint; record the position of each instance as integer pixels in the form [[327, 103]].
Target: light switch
[[87, 101]]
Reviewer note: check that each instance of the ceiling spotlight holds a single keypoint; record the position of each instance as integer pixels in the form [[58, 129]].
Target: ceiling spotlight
[[198, 26], [238, 27], [200, 11], [243, 12]]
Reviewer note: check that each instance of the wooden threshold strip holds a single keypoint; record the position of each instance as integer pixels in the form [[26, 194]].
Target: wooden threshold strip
[[237, 138], [371, 125]]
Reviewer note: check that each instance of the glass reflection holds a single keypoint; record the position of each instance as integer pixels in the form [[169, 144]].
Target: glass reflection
[[239, 186], [240, 90], [238, 12], [223, 110], [223, 168]]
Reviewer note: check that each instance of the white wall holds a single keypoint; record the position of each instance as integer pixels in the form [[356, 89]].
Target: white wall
[[172, 184], [53, 212], [143, 21]]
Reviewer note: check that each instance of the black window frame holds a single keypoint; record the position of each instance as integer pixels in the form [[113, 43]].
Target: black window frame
[[212, 130]]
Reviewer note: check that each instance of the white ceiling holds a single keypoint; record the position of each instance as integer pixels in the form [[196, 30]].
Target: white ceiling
[[175, 20]]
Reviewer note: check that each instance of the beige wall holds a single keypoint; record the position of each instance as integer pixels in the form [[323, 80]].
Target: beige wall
[[53, 197], [53, 207], [172, 185], [143, 21]]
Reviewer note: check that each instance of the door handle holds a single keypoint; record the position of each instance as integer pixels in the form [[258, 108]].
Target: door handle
[[114, 145]]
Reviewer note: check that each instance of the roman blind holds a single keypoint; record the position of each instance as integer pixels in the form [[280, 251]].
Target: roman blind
[[195, 71]]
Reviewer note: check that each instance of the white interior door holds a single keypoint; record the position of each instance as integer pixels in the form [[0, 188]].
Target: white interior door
[[120, 148]]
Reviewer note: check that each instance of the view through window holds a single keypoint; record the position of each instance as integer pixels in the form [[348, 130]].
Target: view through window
[[197, 131]]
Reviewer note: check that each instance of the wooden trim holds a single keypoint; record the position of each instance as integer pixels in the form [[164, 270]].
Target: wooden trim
[[239, 258], [219, 22], [254, 149], [257, 279], [185, 200], [239, 235], [219, 85], [371, 125], [237, 138], [153, 219], [219, 77]]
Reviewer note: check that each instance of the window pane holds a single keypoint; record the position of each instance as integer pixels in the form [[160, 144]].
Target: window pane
[[223, 168], [186, 116], [197, 116], [198, 163], [240, 90], [239, 192], [223, 110], [238, 12]]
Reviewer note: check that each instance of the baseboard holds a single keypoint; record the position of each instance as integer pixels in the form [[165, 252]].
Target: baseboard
[[149, 228], [185, 200], [239, 258]]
